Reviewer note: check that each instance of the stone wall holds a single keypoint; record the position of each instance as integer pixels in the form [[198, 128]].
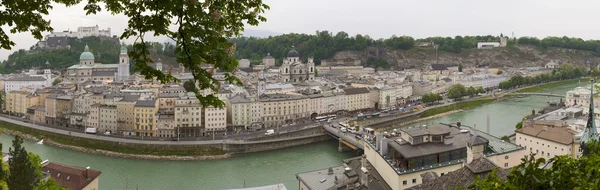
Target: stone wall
[[248, 147], [299, 133]]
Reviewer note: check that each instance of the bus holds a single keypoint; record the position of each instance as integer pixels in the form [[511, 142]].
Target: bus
[[321, 118]]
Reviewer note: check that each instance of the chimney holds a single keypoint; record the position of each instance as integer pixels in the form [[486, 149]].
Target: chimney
[[87, 172], [458, 124], [330, 171], [545, 128], [532, 112]]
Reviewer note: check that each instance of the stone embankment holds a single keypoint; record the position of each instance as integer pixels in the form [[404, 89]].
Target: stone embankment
[[115, 154]]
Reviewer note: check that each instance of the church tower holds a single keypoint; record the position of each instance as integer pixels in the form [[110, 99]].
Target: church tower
[[159, 65], [310, 66], [590, 133], [123, 70], [261, 83]]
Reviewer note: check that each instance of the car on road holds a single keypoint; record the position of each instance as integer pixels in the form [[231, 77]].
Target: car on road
[[333, 126], [343, 129], [107, 133], [270, 132]]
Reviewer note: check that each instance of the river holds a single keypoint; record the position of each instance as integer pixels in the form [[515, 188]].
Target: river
[[264, 168]]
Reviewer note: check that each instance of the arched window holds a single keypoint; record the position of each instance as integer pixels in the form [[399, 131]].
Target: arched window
[[286, 70], [311, 69]]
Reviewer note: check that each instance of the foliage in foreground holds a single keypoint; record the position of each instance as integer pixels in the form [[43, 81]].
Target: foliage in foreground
[[563, 172], [200, 29], [24, 170]]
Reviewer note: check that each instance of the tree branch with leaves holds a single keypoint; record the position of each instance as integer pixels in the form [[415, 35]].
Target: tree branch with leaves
[[201, 31]]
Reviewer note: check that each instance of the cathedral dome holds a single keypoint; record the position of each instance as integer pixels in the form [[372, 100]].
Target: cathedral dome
[[293, 53], [159, 64], [86, 55]]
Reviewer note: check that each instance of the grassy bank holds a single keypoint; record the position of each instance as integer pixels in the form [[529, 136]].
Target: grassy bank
[[139, 149], [551, 85], [457, 106]]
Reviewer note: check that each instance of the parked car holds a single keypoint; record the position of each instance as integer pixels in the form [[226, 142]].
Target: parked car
[[107, 133], [343, 129]]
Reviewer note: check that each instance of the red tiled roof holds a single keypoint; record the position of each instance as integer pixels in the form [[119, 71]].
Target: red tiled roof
[[71, 177]]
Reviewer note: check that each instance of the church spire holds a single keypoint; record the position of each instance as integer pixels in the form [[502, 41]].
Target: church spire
[[590, 132]]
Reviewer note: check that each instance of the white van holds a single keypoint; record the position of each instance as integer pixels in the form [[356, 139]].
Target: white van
[[90, 130], [270, 132]]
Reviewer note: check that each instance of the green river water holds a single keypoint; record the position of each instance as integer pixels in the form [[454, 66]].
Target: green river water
[[264, 168]]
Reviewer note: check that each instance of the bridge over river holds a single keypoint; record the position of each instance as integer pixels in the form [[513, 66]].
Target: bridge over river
[[347, 140]]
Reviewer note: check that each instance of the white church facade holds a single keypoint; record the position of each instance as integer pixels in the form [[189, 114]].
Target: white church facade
[[87, 69], [294, 71]]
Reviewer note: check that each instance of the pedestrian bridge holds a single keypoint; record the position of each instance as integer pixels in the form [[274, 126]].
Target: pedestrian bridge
[[538, 94], [346, 140]]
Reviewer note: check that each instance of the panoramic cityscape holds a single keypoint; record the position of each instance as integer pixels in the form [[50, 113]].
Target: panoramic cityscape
[[210, 100]]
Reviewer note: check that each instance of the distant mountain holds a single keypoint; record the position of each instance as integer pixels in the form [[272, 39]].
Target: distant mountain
[[259, 33]]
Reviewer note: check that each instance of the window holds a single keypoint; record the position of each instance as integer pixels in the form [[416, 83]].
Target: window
[[436, 138], [414, 181], [506, 165]]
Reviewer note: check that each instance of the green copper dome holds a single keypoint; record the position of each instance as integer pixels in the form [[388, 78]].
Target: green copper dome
[[123, 49], [159, 63], [293, 53], [86, 55]]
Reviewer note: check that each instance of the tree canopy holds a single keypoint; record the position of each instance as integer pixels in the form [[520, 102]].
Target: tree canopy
[[200, 29], [560, 172], [430, 98], [24, 170], [565, 71]]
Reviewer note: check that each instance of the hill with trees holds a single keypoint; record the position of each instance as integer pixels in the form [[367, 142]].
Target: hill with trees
[[407, 52], [105, 51]]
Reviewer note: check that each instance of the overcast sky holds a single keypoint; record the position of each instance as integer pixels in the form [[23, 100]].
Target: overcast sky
[[384, 18]]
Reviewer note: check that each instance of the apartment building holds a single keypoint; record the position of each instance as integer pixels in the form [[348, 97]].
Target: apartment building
[[358, 98], [387, 97], [93, 119], [215, 119], [126, 114], [315, 104], [108, 119], [166, 125], [548, 139], [239, 112], [438, 149], [279, 109], [145, 117], [50, 106], [188, 116], [64, 104], [19, 101]]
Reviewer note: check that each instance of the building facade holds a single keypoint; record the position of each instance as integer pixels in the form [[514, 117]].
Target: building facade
[[145, 117], [87, 69], [279, 109], [108, 119], [293, 70], [358, 98], [188, 116], [215, 120]]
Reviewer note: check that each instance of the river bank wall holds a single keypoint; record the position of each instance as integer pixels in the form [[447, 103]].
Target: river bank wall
[[209, 151]]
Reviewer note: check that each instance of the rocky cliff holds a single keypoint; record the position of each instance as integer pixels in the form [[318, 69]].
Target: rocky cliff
[[515, 56]]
